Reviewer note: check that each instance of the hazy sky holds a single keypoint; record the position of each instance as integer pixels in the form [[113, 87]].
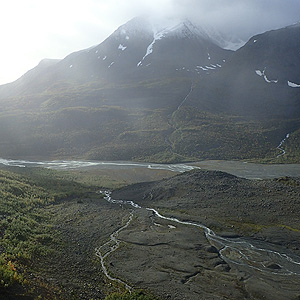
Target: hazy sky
[[35, 29]]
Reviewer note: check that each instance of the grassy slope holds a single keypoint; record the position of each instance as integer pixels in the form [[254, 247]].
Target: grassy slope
[[129, 122], [27, 234], [49, 226]]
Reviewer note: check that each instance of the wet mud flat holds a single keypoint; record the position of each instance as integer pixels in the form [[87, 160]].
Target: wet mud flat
[[179, 262]]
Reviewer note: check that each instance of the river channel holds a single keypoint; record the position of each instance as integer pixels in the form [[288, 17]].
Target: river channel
[[238, 251], [238, 168], [257, 257]]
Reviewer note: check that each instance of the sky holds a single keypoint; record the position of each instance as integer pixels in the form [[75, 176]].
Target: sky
[[32, 30]]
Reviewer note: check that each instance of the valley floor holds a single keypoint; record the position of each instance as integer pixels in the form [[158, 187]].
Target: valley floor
[[161, 256]]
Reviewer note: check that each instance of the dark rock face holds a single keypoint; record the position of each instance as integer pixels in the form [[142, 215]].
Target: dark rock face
[[260, 79]]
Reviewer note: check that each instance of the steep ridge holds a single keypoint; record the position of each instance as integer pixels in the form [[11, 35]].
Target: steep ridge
[[260, 80], [137, 50], [31, 80]]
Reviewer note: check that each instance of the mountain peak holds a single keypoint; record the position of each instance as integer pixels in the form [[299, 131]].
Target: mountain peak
[[180, 28], [162, 27], [185, 28]]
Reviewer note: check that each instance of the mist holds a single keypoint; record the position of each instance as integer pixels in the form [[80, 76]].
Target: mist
[[54, 29], [242, 19]]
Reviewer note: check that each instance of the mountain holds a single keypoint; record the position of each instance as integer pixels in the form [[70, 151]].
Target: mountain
[[137, 50], [261, 79], [162, 93], [30, 80]]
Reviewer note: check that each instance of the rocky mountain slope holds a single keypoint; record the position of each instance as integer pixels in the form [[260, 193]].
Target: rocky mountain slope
[[164, 93], [261, 79], [137, 50]]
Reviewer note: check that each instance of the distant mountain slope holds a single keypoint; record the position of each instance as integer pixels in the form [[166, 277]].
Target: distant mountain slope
[[137, 50], [261, 79], [160, 93], [35, 79]]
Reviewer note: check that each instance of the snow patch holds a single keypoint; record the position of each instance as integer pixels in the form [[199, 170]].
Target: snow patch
[[229, 45], [210, 67], [127, 37], [254, 41], [71, 66], [121, 47], [156, 36], [208, 56], [96, 51], [104, 58], [262, 73], [293, 85], [111, 64]]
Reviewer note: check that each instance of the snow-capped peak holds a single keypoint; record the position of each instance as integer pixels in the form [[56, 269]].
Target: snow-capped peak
[[178, 27]]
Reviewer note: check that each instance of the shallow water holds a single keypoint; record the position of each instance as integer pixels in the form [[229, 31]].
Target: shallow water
[[238, 168], [76, 164], [239, 251]]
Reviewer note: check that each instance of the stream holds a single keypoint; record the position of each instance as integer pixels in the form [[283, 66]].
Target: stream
[[109, 247], [186, 97], [251, 254], [244, 252], [279, 147]]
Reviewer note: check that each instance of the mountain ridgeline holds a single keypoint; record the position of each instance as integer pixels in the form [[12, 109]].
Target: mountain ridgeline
[[161, 93]]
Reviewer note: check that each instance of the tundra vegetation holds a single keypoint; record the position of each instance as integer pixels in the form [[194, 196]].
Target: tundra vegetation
[[31, 245]]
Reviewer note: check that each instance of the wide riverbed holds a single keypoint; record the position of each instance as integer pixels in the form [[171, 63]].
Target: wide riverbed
[[238, 168]]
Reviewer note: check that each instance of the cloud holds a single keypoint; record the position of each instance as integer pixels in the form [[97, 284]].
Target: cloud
[[243, 18], [53, 29]]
